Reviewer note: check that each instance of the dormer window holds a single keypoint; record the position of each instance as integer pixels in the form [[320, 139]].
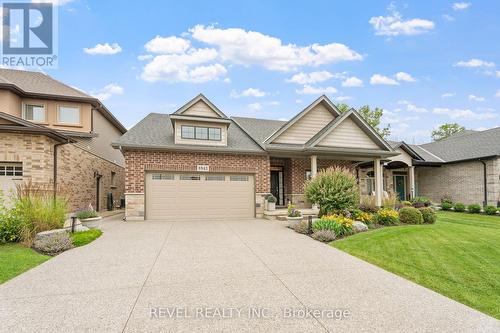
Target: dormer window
[[201, 133]]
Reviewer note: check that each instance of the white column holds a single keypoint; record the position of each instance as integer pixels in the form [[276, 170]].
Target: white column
[[314, 165], [377, 169], [411, 174]]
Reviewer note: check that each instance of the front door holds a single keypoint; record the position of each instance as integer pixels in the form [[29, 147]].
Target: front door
[[400, 186], [275, 185]]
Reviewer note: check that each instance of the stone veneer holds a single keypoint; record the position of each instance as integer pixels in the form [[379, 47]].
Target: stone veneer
[[76, 168], [138, 162]]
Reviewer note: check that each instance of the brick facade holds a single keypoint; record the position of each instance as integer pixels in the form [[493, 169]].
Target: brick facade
[[76, 168], [138, 162]]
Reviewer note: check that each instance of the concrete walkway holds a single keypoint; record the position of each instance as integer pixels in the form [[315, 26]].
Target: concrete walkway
[[227, 276]]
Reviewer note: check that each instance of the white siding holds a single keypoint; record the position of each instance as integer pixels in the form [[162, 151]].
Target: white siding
[[200, 108], [348, 134], [307, 126], [402, 157]]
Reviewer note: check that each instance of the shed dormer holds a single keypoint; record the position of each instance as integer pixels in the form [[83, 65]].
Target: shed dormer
[[200, 122]]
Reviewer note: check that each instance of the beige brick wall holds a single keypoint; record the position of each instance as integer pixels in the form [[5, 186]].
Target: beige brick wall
[[463, 182], [138, 162], [76, 168]]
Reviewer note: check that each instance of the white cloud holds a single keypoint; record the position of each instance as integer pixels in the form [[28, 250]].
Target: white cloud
[[464, 114], [497, 73], [254, 107], [448, 95], [395, 25], [185, 67], [103, 49], [448, 18], [248, 48], [298, 101], [166, 45], [381, 79], [410, 107], [108, 91], [475, 98], [343, 98], [497, 93], [352, 82], [474, 63], [312, 90], [227, 80], [402, 76], [273, 103], [250, 92], [313, 77], [460, 5], [144, 57]]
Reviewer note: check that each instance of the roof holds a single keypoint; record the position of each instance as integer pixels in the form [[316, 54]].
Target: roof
[[40, 85], [466, 146], [259, 129], [24, 126], [196, 99], [156, 132]]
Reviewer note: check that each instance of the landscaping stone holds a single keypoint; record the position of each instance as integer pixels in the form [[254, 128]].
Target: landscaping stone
[[358, 226], [52, 241]]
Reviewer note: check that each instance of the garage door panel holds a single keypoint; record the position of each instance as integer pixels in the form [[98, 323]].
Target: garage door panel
[[170, 195]]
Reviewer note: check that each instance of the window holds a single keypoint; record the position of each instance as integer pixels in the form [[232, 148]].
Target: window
[[68, 115], [219, 178], [214, 134], [201, 133], [11, 169], [113, 179], [163, 176], [190, 177], [34, 112], [187, 132], [238, 178]]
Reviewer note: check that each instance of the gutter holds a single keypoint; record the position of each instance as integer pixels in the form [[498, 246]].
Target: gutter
[[485, 179]]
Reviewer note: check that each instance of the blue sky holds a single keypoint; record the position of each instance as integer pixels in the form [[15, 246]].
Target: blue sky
[[424, 62]]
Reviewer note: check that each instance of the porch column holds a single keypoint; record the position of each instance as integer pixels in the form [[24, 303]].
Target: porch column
[[378, 171], [411, 179], [314, 165]]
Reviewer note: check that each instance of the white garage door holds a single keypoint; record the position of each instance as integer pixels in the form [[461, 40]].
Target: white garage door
[[10, 175], [199, 196]]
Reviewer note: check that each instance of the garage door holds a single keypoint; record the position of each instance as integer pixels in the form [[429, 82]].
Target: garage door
[[199, 196], [10, 175]]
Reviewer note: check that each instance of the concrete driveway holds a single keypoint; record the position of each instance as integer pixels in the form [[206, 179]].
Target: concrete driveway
[[201, 276]]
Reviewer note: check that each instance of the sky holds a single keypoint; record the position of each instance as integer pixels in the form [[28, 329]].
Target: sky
[[425, 63]]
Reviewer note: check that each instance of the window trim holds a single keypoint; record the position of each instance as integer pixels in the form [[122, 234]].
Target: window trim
[[203, 139], [23, 111], [58, 109]]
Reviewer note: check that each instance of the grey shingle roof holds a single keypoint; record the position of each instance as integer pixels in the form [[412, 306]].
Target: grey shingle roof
[[259, 129], [38, 83], [469, 145], [156, 131]]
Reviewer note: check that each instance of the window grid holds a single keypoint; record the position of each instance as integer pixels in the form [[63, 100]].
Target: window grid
[[219, 178], [11, 170], [190, 177], [162, 176], [238, 178], [201, 133]]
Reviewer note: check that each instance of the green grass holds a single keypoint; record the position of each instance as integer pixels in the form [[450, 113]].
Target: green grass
[[85, 237], [16, 259], [458, 257]]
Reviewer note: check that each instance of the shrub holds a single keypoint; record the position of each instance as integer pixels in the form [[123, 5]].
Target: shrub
[[387, 216], [447, 200], [302, 227], [428, 214], [364, 217], [367, 204], [324, 235], [293, 212], [490, 210], [418, 202], [406, 204], [410, 215], [474, 208], [446, 206], [459, 207], [271, 198], [86, 214], [391, 201], [333, 189], [53, 244], [10, 228], [342, 226]]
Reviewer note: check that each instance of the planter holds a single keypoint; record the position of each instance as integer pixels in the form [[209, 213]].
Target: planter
[[92, 222], [293, 221], [271, 206]]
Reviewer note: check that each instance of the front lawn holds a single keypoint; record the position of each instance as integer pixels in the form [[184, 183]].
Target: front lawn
[[458, 257], [85, 237], [16, 259]]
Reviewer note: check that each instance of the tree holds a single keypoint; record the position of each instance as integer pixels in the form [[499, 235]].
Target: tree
[[446, 130], [372, 117]]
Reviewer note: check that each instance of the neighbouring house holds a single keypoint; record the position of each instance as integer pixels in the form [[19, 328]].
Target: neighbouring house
[[58, 136]]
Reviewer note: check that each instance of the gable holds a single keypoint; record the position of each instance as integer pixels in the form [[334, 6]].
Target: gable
[[307, 126], [348, 134], [402, 157], [200, 109]]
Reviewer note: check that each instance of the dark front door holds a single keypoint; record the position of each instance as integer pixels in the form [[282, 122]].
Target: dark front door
[[275, 185], [400, 186]]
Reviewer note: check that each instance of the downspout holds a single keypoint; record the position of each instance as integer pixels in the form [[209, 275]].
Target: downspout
[[485, 179], [55, 166]]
